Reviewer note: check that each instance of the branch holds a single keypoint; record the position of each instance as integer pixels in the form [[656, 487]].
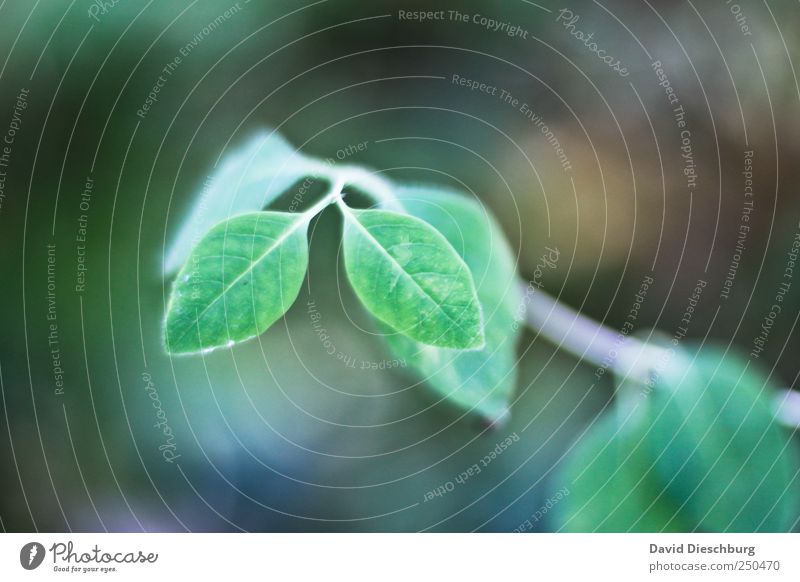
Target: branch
[[605, 348]]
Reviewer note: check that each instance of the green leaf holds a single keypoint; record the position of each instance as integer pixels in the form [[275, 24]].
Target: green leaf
[[695, 449], [242, 276], [248, 179], [411, 278], [717, 445], [612, 486], [479, 381]]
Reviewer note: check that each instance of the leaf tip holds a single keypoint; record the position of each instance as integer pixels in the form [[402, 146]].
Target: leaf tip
[[498, 421]]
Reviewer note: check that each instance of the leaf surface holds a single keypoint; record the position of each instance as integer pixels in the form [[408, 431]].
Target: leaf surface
[[411, 278], [718, 446], [612, 485], [699, 450], [241, 277]]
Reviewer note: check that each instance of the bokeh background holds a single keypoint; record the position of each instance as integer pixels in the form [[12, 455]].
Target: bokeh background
[[275, 435]]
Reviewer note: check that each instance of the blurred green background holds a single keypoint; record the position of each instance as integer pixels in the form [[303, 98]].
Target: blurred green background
[[275, 435]]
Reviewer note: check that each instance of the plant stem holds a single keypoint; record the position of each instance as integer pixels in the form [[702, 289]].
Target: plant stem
[[607, 349], [373, 185], [334, 194], [566, 328]]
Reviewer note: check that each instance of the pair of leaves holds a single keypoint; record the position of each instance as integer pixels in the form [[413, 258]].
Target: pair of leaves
[[416, 273], [247, 270], [701, 451]]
